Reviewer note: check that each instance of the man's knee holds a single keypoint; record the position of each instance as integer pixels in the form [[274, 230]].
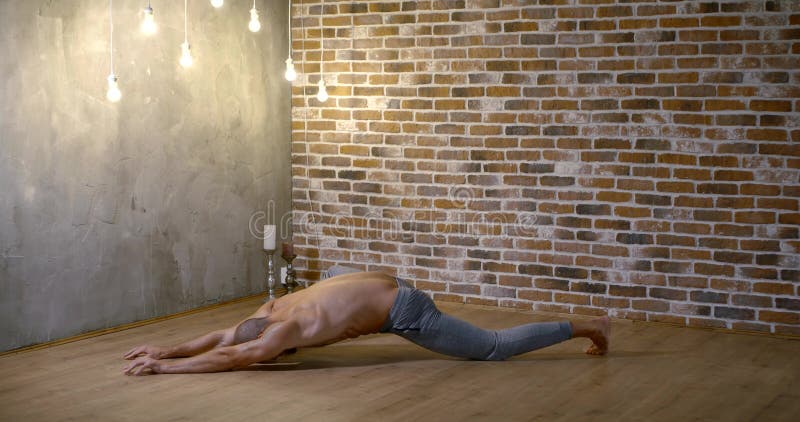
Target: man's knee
[[497, 352]]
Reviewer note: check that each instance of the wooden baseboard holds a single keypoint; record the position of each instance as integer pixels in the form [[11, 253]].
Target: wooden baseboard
[[128, 326]]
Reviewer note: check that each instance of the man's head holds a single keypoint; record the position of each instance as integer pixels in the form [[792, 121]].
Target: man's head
[[250, 330], [255, 328]]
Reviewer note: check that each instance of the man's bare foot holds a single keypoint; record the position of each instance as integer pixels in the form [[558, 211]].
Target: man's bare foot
[[600, 336]]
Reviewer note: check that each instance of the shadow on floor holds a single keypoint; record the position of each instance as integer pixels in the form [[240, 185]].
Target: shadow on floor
[[343, 356]]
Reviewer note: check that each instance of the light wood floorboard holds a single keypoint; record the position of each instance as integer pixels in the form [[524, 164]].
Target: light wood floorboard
[[653, 372]]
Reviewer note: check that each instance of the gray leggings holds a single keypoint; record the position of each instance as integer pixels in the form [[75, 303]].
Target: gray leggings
[[414, 317]]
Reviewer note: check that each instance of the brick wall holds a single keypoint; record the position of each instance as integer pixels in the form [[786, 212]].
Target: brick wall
[[636, 158]]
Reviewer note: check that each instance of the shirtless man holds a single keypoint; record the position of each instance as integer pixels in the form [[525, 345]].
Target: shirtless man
[[348, 305]]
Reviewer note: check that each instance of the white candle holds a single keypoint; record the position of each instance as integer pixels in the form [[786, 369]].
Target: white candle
[[269, 237]]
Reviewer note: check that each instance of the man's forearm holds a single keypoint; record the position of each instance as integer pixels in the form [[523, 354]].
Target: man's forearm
[[222, 359], [213, 361], [196, 346]]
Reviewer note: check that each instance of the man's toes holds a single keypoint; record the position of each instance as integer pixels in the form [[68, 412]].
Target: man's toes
[[594, 350]]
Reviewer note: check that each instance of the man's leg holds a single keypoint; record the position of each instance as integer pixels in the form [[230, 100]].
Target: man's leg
[[418, 320]]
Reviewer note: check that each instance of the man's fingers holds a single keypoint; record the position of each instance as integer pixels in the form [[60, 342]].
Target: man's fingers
[[133, 353], [140, 370], [141, 366], [132, 366], [136, 352]]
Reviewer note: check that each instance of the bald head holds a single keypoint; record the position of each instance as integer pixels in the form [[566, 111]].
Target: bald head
[[250, 329]]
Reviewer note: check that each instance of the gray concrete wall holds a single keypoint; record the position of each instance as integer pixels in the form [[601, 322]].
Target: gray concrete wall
[[112, 213]]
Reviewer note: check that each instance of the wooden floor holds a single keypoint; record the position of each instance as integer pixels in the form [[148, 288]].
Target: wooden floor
[[653, 372]]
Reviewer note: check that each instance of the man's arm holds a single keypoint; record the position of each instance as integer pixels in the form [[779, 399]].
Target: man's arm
[[212, 340], [281, 336], [189, 348]]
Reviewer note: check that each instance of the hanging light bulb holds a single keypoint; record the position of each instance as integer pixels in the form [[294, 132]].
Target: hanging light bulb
[[322, 93], [149, 23], [255, 24], [290, 74], [186, 55], [217, 3], [113, 94], [186, 52]]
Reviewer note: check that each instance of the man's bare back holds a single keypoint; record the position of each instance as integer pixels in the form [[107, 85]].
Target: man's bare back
[[342, 307]]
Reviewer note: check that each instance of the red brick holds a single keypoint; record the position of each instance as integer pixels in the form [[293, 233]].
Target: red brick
[[777, 135], [717, 105], [779, 203], [755, 217], [677, 22], [680, 159], [789, 218], [637, 23], [779, 317], [734, 313], [699, 63], [773, 288], [771, 105], [650, 305], [535, 295], [708, 21]]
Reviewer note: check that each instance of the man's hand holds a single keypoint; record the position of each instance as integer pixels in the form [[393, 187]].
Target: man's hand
[[154, 352], [144, 365]]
